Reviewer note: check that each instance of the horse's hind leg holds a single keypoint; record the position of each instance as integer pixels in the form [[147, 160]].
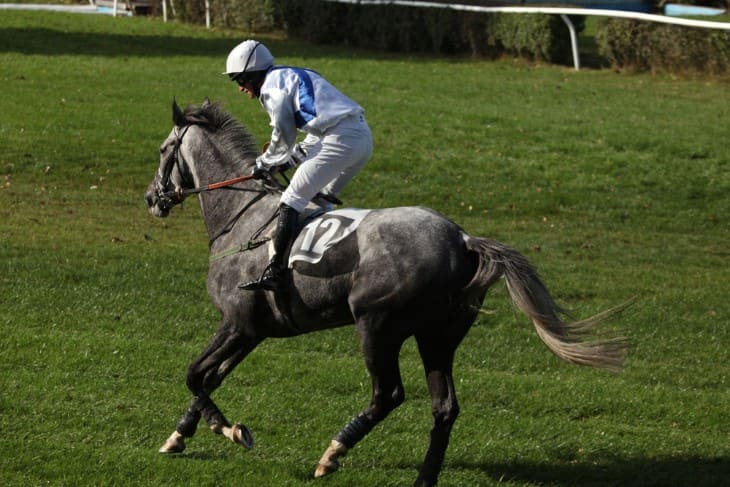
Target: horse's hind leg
[[381, 357], [205, 374], [437, 354]]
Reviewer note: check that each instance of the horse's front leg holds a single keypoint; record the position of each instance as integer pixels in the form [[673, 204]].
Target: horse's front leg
[[228, 347], [188, 424]]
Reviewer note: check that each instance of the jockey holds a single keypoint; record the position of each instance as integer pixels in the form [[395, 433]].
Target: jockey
[[337, 145]]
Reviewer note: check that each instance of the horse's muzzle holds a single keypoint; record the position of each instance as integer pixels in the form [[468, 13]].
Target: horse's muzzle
[[158, 203]]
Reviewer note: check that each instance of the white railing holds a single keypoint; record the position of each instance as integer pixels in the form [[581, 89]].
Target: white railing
[[562, 11]]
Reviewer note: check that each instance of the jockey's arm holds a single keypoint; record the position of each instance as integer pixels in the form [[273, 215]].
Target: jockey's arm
[[284, 130]]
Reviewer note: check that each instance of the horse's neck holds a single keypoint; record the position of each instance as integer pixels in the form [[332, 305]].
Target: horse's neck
[[236, 212], [229, 213]]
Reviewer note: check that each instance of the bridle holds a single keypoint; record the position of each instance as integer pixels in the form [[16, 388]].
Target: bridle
[[168, 199]]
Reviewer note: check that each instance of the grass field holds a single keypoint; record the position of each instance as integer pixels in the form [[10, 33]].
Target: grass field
[[614, 186]]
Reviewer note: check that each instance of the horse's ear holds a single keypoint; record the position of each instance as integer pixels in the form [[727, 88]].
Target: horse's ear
[[206, 102], [178, 118]]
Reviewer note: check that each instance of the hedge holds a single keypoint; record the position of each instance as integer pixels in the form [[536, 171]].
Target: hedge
[[393, 28], [387, 27], [249, 15], [631, 45], [535, 36], [408, 29]]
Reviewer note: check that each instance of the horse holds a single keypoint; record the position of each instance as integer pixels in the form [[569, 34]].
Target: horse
[[394, 273]]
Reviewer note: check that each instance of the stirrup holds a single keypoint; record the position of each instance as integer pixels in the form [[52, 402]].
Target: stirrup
[[268, 281]]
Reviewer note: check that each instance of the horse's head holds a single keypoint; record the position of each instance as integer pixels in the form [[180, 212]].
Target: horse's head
[[165, 190], [205, 143]]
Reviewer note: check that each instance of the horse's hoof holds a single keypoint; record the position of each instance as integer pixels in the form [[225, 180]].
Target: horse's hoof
[[174, 444], [326, 468], [238, 434], [329, 463], [242, 436]]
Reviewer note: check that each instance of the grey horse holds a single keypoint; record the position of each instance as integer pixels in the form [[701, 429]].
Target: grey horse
[[394, 273]]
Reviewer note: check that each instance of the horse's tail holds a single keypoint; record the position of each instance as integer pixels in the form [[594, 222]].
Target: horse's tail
[[574, 342]]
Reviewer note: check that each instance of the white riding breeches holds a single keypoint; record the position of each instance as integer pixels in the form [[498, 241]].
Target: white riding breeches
[[331, 162]]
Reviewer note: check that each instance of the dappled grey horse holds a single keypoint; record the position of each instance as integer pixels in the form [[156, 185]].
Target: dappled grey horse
[[394, 273]]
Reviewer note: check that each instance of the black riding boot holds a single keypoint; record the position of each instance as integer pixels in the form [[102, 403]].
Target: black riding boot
[[285, 226]]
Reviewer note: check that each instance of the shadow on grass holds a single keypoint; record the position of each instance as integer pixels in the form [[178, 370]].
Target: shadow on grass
[[666, 471], [50, 42], [200, 456], [54, 42]]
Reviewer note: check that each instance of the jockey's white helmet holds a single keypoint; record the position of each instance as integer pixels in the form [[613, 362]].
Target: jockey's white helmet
[[248, 56]]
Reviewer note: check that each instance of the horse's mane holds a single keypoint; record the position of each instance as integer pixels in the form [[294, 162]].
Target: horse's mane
[[233, 136]]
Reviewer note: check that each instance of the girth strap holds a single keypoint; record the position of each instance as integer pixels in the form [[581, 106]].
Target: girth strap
[[250, 245], [253, 243]]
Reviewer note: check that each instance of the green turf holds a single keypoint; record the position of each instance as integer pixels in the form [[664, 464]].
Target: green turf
[[614, 186]]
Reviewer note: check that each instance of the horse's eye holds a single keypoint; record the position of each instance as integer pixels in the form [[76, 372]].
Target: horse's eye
[[162, 149]]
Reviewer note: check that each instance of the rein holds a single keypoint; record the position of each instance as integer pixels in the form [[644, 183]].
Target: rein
[[181, 193]]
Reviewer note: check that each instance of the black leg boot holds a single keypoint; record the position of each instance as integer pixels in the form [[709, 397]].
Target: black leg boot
[[285, 227]]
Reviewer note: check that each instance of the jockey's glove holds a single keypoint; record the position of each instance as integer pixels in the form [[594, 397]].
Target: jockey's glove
[[260, 172]]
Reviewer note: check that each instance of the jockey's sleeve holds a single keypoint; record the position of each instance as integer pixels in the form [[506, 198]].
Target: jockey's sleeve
[[284, 131]]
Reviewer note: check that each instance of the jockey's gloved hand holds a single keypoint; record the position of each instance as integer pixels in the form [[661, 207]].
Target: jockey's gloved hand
[[260, 172]]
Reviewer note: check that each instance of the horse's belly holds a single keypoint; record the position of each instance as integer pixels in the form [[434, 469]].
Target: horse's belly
[[320, 303]]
